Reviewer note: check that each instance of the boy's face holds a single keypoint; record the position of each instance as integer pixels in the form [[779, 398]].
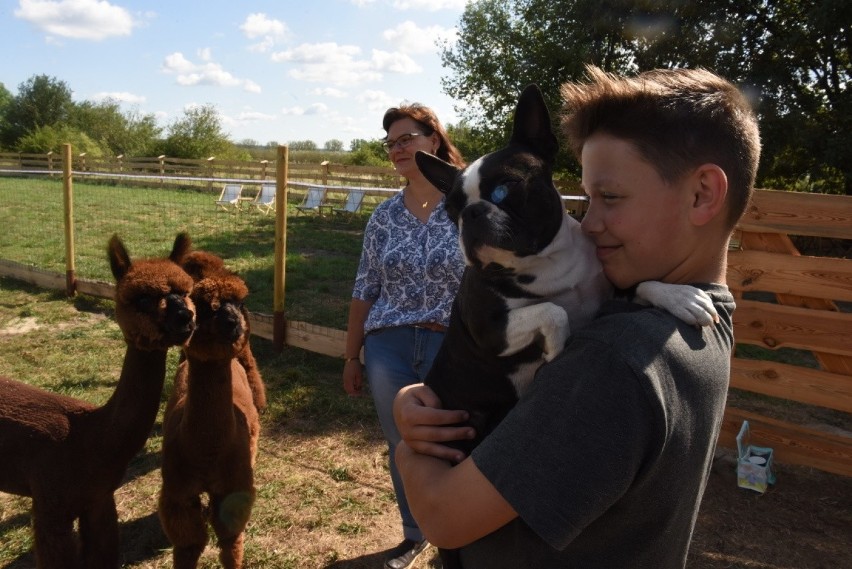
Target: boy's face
[[638, 222]]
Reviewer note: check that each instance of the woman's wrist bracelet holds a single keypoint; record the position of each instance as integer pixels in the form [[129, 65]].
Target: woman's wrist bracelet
[[352, 359]]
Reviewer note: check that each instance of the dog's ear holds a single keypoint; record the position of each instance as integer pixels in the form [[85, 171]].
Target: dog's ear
[[532, 126], [441, 174]]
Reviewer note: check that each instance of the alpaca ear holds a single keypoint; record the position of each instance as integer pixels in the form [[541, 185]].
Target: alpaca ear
[[181, 248], [119, 260]]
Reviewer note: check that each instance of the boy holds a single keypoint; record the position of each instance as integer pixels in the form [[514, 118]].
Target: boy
[[603, 462]]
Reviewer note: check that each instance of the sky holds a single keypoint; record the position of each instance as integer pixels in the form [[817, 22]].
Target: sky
[[278, 70]]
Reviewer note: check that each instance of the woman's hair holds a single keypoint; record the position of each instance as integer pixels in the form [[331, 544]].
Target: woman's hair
[[677, 119], [425, 117]]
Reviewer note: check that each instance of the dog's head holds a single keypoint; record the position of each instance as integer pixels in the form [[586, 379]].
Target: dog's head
[[505, 203]]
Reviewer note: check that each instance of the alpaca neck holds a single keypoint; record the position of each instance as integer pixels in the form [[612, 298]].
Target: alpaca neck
[[209, 411], [131, 411]]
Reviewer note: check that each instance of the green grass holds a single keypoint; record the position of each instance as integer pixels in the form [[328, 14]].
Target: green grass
[[321, 259]]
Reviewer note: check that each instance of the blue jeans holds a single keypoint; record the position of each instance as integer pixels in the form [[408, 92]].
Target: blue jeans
[[393, 358]]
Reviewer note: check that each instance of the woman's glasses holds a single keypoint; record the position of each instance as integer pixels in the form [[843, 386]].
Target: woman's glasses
[[401, 141]]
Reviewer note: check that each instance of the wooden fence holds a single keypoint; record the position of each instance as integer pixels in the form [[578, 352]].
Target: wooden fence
[[784, 300], [164, 171]]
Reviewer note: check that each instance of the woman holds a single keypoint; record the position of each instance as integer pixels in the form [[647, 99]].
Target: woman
[[409, 273]]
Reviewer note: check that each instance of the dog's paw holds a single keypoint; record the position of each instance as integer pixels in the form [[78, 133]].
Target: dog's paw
[[556, 335], [690, 304]]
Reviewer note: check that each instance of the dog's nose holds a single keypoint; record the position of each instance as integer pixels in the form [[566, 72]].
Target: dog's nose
[[474, 211]]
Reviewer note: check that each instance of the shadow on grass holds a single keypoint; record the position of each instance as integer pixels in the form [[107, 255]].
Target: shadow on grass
[[142, 539]]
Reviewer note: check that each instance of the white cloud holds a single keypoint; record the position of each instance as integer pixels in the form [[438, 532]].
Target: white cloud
[[338, 64], [430, 5], [318, 53], [206, 73], [328, 63], [77, 19], [329, 92], [408, 37], [269, 31], [253, 116], [314, 109], [376, 101], [120, 96], [394, 62]]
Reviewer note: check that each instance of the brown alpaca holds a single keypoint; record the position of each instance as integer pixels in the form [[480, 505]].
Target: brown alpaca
[[200, 264], [69, 455], [211, 428]]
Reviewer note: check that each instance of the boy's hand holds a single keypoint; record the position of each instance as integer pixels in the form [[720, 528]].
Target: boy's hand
[[422, 423]]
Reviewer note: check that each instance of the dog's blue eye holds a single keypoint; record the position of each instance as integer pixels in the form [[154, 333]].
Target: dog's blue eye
[[499, 194]]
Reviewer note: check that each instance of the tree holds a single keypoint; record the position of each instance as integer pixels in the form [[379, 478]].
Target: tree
[[198, 134], [366, 153], [5, 100], [131, 133], [41, 101], [334, 145], [302, 145], [44, 139], [793, 54]]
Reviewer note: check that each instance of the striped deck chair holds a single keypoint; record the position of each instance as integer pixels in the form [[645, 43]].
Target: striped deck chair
[[265, 200], [230, 196], [353, 202], [314, 199]]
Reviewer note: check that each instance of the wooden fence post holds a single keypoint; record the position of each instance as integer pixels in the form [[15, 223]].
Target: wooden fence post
[[210, 173], [279, 324], [68, 202]]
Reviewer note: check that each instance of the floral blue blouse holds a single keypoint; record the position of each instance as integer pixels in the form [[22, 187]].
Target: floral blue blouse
[[409, 269]]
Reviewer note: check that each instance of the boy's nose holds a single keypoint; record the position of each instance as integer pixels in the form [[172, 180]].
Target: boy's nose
[[591, 223]]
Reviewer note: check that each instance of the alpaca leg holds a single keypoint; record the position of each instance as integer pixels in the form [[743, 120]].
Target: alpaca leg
[[99, 535], [229, 516], [56, 546], [185, 525]]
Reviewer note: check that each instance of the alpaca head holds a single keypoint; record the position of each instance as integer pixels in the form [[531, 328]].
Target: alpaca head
[[222, 321], [152, 303]]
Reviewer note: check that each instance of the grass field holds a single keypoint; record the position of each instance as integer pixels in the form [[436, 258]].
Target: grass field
[[322, 252]]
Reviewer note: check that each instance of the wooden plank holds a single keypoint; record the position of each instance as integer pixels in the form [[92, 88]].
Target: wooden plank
[[776, 326], [793, 444], [798, 213], [96, 288], [780, 243], [816, 277], [32, 275], [327, 341], [794, 383], [303, 335]]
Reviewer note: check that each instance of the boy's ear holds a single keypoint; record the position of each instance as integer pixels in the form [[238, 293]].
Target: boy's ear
[[710, 188]]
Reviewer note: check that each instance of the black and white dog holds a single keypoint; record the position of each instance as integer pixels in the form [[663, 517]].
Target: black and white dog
[[530, 273]]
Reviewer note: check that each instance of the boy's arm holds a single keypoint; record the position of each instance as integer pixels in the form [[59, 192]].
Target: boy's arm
[[453, 505]]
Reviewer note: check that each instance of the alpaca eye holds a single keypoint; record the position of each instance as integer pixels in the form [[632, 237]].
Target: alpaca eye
[[146, 303]]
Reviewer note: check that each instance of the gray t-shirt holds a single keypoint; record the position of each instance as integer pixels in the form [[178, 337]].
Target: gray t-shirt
[[606, 457]]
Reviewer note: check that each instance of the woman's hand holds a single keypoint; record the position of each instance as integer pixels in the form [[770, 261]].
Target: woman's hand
[[423, 424], [353, 378]]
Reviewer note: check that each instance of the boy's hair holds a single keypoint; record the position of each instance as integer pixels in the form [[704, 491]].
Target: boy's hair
[[430, 124], [677, 119]]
